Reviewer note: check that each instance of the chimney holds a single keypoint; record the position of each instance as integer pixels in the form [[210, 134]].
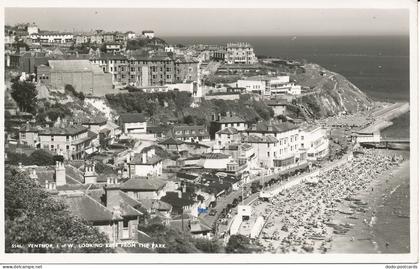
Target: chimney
[[144, 157], [213, 117], [112, 197], [60, 174], [20, 166], [180, 194], [47, 184], [90, 175], [184, 188], [219, 117], [33, 174], [150, 153]]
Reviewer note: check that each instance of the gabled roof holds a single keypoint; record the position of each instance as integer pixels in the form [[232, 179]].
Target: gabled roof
[[171, 141], [132, 117], [92, 120], [87, 208], [215, 156], [228, 131], [143, 184], [29, 128], [257, 139], [68, 130], [231, 119], [266, 127], [126, 204]]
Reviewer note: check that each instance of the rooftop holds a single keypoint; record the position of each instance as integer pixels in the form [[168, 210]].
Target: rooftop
[[267, 127], [87, 208], [132, 117], [258, 139], [228, 131], [68, 130], [143, 184], [74, 66]]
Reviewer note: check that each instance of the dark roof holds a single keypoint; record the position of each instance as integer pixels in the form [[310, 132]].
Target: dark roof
[[87, 208], [28, 128], [109, 56], [171, 141], [69, 130], [132, 117], [257, 139], [92, 120], [228, 130], [265, 127], [231, 119], [143, 184], [127, 203], [186, 176], [215, 156]]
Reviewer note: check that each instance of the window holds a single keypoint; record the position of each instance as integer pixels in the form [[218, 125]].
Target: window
[[268, 154], [67, 138], [125, 229], [52, 138], [67, 147], [301, 137], [23, 135], [52, 146]]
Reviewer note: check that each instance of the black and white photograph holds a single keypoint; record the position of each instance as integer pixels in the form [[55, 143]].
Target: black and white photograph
[[276, 131]]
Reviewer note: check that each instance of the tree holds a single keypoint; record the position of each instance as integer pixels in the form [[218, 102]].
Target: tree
[[34, 216], [41, 157], [24, 93], [240, 244]]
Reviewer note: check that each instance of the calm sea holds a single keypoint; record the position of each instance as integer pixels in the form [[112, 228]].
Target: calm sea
[[379, 66]]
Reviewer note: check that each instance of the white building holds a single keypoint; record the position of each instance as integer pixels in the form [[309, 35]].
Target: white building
[[218, 161], [169, 49], [148, 34], [192, 87], [314, 141], [144, 164], [133, 123], [52, 38], [252, 85], [276, 144], [131, 35], [32, 29], [227, 136], [240, 53]]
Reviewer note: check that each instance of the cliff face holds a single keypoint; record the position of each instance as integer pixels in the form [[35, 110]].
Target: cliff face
[[331, 93]]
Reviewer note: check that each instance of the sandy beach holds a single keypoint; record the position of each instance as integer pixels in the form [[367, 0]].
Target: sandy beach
[[385, 226], [360, 207]]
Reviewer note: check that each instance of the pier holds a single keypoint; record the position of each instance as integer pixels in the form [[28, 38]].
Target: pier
[[389, 143]]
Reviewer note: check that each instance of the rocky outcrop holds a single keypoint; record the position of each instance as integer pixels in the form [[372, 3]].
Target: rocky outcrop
[[330, 93]]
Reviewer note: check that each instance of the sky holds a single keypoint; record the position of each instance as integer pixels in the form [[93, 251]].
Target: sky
[[218, 22]]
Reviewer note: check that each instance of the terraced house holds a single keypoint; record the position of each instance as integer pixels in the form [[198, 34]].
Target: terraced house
[[72, 141], [144, 70]]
